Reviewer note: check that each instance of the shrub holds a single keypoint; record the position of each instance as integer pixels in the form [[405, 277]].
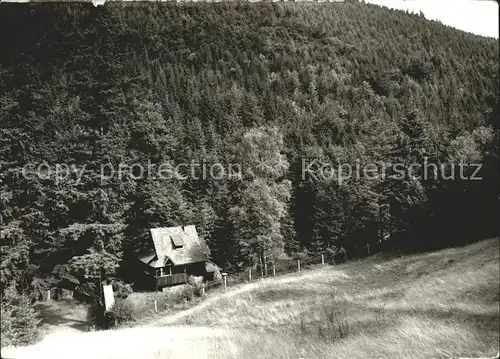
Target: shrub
[[217, 276], [187, 293], [196, 283], [287, 265], [180, 293], [19, 319], [121, 290], [123, 311]]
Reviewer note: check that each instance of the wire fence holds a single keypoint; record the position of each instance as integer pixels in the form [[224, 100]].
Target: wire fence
[[159, 301], [269, 270], [175, 297]]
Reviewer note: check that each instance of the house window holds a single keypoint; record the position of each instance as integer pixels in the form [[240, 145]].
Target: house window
[[177, 241]]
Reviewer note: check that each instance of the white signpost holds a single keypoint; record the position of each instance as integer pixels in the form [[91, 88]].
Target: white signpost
[[109, 298]]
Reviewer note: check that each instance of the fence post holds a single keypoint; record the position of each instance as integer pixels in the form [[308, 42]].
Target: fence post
[[224, 275], [48, 294], [322, 259], [202, 289], [298, 264], [274, 270], [156, 306], [250, 274]]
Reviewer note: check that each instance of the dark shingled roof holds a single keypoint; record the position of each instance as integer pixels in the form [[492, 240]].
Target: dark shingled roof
[[180, 245], [70, 278]]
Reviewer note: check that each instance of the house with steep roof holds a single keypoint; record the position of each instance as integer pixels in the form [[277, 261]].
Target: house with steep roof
[[178, 252]]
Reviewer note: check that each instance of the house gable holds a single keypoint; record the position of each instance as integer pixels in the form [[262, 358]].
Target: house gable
[[178, 246]]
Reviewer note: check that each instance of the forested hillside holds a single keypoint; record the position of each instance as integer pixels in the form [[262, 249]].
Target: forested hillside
[[244, 84]]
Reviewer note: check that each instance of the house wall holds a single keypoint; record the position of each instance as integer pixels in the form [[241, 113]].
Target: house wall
[[195, 269], [142, 280], [148, 281], [177, 269]]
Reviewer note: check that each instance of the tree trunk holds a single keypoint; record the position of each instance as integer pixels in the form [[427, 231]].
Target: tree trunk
[[265, 265]]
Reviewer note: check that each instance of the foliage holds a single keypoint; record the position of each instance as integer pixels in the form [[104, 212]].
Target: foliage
[[121, 290], [263, 196], [20, 322], [122, 311], [270, 86], [196, 283]]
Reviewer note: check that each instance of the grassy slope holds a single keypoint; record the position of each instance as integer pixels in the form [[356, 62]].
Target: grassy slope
[[436, 305]]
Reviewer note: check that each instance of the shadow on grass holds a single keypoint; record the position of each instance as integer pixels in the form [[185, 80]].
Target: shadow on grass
[[55, 316], [483, 323], [271, 295], [334, 321], [335, 318]]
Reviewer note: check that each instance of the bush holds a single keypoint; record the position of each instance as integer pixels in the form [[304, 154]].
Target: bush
[[123, 311], [197, 284], [121, 290], [19, 319], [287, 265], [217, 276], [187, 293], [180, 293]]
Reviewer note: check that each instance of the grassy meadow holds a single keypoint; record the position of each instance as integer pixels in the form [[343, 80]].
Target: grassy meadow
[[435, 305], [441, 304]]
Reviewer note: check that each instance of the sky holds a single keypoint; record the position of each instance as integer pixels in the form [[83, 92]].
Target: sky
[[479, 17]]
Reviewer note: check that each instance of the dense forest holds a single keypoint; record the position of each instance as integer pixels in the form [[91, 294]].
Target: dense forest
[[266, 86]]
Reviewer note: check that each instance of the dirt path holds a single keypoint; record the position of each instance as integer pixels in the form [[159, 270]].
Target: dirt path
[[65, 316], [133, 343], [158, 338]]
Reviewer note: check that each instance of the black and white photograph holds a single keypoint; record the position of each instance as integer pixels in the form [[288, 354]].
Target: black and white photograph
[[243, 179]]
